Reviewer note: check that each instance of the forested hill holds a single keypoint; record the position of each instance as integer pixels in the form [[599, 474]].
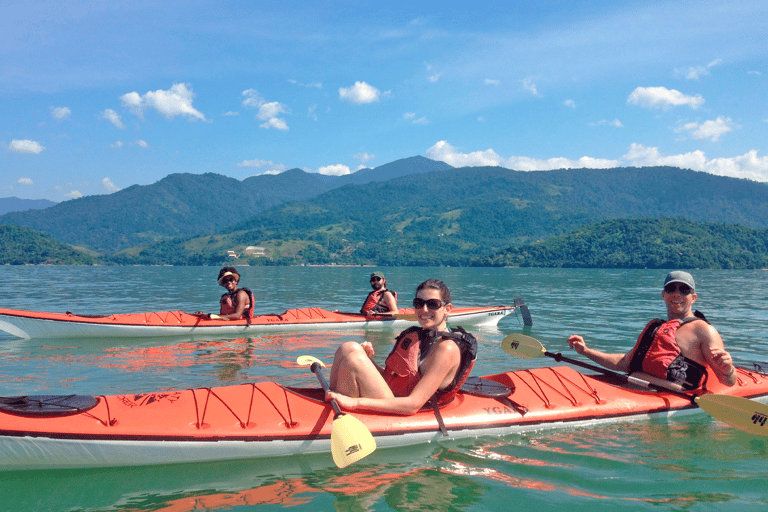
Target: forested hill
[[22, 246], [456, 216], [644, 243], [184, 205]]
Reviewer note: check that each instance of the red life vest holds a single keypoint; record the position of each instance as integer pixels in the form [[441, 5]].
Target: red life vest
[[402, 367], [373, 301], [229, 304], [657, 353]]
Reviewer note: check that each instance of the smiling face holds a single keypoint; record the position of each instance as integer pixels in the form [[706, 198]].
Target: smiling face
[[229, 282], [432, 318], [679, 299]]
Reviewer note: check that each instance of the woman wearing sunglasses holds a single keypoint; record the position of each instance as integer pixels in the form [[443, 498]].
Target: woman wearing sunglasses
[[677, 350], [410, 378]]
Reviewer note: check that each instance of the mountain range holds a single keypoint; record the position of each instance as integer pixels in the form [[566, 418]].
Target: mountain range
[[412, 211]]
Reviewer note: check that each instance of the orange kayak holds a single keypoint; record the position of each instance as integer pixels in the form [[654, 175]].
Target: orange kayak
[[268, 420]]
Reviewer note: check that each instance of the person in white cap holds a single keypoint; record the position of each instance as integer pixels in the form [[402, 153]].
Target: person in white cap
[[677, 350]]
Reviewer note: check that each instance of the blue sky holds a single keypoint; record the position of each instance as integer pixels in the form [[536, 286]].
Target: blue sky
[[98, 96]]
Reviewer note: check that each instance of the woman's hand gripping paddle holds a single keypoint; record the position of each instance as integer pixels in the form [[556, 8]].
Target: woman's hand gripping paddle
[[741, 413], [350, 439]]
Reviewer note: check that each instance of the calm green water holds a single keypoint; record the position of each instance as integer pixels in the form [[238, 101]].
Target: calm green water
[[690, 464]]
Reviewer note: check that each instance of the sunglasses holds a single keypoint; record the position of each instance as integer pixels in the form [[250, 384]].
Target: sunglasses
[[682, 289], [227, 280], [375, 279], [433, 304]]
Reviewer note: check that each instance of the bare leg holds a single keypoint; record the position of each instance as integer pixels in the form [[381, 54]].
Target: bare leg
[[354, 374]]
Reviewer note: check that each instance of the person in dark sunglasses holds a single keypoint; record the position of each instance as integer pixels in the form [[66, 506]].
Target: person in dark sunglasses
[[425, 363], [679, 350], [235, 303], [380, 301]]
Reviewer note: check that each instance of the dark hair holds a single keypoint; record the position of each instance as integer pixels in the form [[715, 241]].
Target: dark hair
[[436, 284], [231, 270]]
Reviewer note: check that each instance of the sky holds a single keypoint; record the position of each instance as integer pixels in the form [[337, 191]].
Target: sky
[[97, 96]]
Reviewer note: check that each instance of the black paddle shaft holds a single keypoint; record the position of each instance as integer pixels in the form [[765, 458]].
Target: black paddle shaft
[[316, 370], [620, 376]]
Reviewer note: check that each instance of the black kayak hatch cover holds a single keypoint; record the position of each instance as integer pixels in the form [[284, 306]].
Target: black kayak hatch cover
[[47, 406]]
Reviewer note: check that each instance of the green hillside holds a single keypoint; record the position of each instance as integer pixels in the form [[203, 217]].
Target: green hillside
[[188, 205], [466, 216], [645, 243], [19, 246]]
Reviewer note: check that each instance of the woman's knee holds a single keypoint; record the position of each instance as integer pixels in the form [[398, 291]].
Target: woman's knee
[[349, 349]]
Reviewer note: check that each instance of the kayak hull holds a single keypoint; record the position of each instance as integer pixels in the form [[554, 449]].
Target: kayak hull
[[269, 420], [33, 324]]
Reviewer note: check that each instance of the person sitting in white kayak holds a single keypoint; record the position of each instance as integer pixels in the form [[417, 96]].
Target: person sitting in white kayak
[[427, 364], [236, 303], [677, 350]]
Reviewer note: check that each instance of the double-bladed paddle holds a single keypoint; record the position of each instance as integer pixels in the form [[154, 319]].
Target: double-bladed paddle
[[350, 439], [741, 413]]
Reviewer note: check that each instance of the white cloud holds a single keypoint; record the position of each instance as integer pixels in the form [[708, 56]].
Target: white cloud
[[359, 93], [267, 111], [107, 184], [117, 145], [74, 194], [605, 122], [434, 78], [252, 98], [529, 86], [749, 165], [113, 117], [231, 113], [141, 143], [60, 112], [709, 130], [364, 157], [272, 168], [661, 97], [490, 81], [176, 101], [316, 85], [411, 116], [276, 123], [445, 152], [25, 181], [696, 72], [334, 170], [569, 103], [26, 146]]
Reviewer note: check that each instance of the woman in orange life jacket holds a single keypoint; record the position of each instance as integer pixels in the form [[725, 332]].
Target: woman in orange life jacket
[[678, 350], [236, 303], [358, 383]]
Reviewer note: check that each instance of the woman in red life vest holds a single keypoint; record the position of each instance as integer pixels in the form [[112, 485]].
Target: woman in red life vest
[[358, 383], [677, 350]]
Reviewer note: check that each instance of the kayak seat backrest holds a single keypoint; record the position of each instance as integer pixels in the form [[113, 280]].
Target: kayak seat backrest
[[478, 386], [47, 406]]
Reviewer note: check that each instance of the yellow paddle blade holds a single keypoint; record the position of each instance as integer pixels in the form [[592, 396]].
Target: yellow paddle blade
[[308, 360], [350, 440], [522, 346], [741, 413], [214, 316], [410, 318]]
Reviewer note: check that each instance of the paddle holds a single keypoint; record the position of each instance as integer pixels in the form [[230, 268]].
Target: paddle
[[350, 439], [741, 413]]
